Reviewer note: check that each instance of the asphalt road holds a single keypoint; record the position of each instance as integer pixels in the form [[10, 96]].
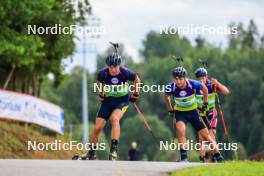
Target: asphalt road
[[19, 167]]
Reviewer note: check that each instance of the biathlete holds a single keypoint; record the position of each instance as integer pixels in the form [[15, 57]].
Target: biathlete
[[114, 101], [183, 91], [209, 116]]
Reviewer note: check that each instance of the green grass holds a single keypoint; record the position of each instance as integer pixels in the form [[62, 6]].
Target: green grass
[[13, 143], [235, 168]]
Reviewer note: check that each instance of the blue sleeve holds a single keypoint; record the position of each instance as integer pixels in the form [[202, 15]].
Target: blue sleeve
[[131, 76], [100, 76], [169, 89], [197, 85]]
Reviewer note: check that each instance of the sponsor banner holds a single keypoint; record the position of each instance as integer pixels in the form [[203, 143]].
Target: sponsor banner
[[26, 108]]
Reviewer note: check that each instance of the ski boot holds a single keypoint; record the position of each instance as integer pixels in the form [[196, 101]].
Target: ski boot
[[218, 158], [113, 155]]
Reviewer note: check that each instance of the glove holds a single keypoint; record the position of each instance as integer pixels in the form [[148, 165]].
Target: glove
[[201, 112], [204, 107], [133, 97]]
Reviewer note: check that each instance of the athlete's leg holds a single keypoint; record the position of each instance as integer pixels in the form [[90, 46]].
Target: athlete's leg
[[102, 116], [180, 125], [202, 141], [202, 150], [99, 125], [216, 154], [212, 131], [200, 126], [115, 118], [204, 133]]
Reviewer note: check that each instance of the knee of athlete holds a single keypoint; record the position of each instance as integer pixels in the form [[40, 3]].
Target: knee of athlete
[[180, 131], [115, 120], [213, 132], [208, 138]]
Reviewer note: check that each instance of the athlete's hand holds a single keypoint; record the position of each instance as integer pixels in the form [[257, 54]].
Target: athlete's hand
[[171, 112], [215, 83], [133, 97], [204, 107]]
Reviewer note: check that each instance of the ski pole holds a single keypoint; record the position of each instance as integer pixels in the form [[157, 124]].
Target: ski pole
[[221, 114], [209, 123], [146, 123], [174, 122], [234, 154], [174, 127]]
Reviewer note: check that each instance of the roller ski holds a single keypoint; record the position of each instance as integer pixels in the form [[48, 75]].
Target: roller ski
[[90, 156]]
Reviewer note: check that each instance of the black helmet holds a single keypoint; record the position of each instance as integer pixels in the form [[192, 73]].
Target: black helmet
[[200, 72], [113, 60], [179, 72]]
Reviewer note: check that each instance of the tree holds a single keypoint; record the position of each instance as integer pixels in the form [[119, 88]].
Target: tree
[[26, 59], [132, 130], [164, 45]]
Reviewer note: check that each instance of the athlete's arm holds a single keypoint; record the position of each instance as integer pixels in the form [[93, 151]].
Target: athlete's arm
[[220, 87], [137, 85], [100, 85], [200, 86], [205, 93], [168, 102], [131, 76], [169, 92], [100, 88]]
